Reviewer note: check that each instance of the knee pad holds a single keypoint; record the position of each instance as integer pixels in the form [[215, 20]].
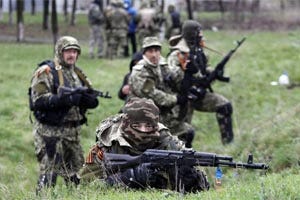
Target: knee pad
[[225, 109]]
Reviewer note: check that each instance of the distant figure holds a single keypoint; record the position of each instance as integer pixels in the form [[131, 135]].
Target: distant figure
[[173, 23], [96, 20], [60, 111], [147, 25], [132, 26], [116, 21]]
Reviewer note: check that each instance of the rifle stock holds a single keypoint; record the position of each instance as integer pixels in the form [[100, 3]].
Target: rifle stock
[[167, 158]]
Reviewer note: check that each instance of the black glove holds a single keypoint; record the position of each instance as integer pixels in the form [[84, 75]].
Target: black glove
[[134, 177], [88, 101], [68, 96], [182, 99], [196, 93]]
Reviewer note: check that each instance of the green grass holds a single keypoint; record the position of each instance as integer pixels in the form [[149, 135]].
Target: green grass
[[266, 119]]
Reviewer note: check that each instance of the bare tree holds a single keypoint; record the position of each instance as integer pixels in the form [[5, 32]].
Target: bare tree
[[32, 7], [72, 22], [1, 10], [189, 9], [20, 20], [45, 14], [237, 11], [222, 9], [66, 14], [54, 23], [10, 10]]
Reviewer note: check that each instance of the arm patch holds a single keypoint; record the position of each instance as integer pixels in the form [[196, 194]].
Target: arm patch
[[148, 86]]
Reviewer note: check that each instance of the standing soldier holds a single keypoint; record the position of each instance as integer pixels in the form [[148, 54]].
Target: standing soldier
[[147, 25], [173, 24], [148, 79], [117, 21], [180, 61], [60, 111], [96, 19], [132, 12]]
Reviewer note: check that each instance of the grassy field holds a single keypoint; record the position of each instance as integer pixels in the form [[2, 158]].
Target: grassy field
[[266, 119]]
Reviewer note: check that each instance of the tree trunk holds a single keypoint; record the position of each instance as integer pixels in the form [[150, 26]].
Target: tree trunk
[[32, 7], [237, 11], [189, 9], [72, 22], [54, 23], [1, 10], [45, 14], [20, 21], [222, 9], [66, 14], [10, 8]]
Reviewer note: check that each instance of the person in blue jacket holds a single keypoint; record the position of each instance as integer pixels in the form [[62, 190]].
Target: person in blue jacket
[[132, 26]]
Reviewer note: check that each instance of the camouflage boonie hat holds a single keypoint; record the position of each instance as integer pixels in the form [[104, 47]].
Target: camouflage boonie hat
[[150, 42], [142, 110]]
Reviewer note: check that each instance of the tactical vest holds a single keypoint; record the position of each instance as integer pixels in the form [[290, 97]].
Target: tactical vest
[[55, 117]]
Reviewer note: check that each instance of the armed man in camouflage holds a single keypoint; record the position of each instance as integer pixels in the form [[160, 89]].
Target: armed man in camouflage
[[59, 114], [96, 20], [179, 60], [116, 24], [149, 79], [133, 132]]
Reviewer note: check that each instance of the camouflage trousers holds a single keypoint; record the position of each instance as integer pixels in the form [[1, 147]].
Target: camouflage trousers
[[58, 150], [96, 40], [210, 102], [116, 43]]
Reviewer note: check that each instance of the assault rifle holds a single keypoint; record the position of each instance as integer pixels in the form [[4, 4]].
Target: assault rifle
[[81, 90], [199, 85], [165, 159]]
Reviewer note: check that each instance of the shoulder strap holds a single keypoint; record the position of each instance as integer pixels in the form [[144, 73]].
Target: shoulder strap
[[83, 77]]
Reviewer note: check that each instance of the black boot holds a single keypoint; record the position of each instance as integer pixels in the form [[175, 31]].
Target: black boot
[[225, 123]]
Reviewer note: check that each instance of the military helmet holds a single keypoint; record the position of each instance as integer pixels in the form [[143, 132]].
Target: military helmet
[[191, 30], [64, 43], [150, 42]]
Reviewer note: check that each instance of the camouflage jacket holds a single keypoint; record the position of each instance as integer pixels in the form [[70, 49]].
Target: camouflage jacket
[[42, 86], [148, 81]]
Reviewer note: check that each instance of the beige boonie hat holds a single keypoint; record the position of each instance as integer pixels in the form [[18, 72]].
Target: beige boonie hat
[[150, 42]]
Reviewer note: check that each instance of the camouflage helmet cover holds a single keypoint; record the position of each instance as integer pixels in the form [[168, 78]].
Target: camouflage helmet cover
[[150, 42], [64, 43]]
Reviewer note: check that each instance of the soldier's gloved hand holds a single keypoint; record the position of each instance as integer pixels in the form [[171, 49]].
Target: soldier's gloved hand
[[88, 100], [196, 93], [182, 99], [71, 100], [68, 96]]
